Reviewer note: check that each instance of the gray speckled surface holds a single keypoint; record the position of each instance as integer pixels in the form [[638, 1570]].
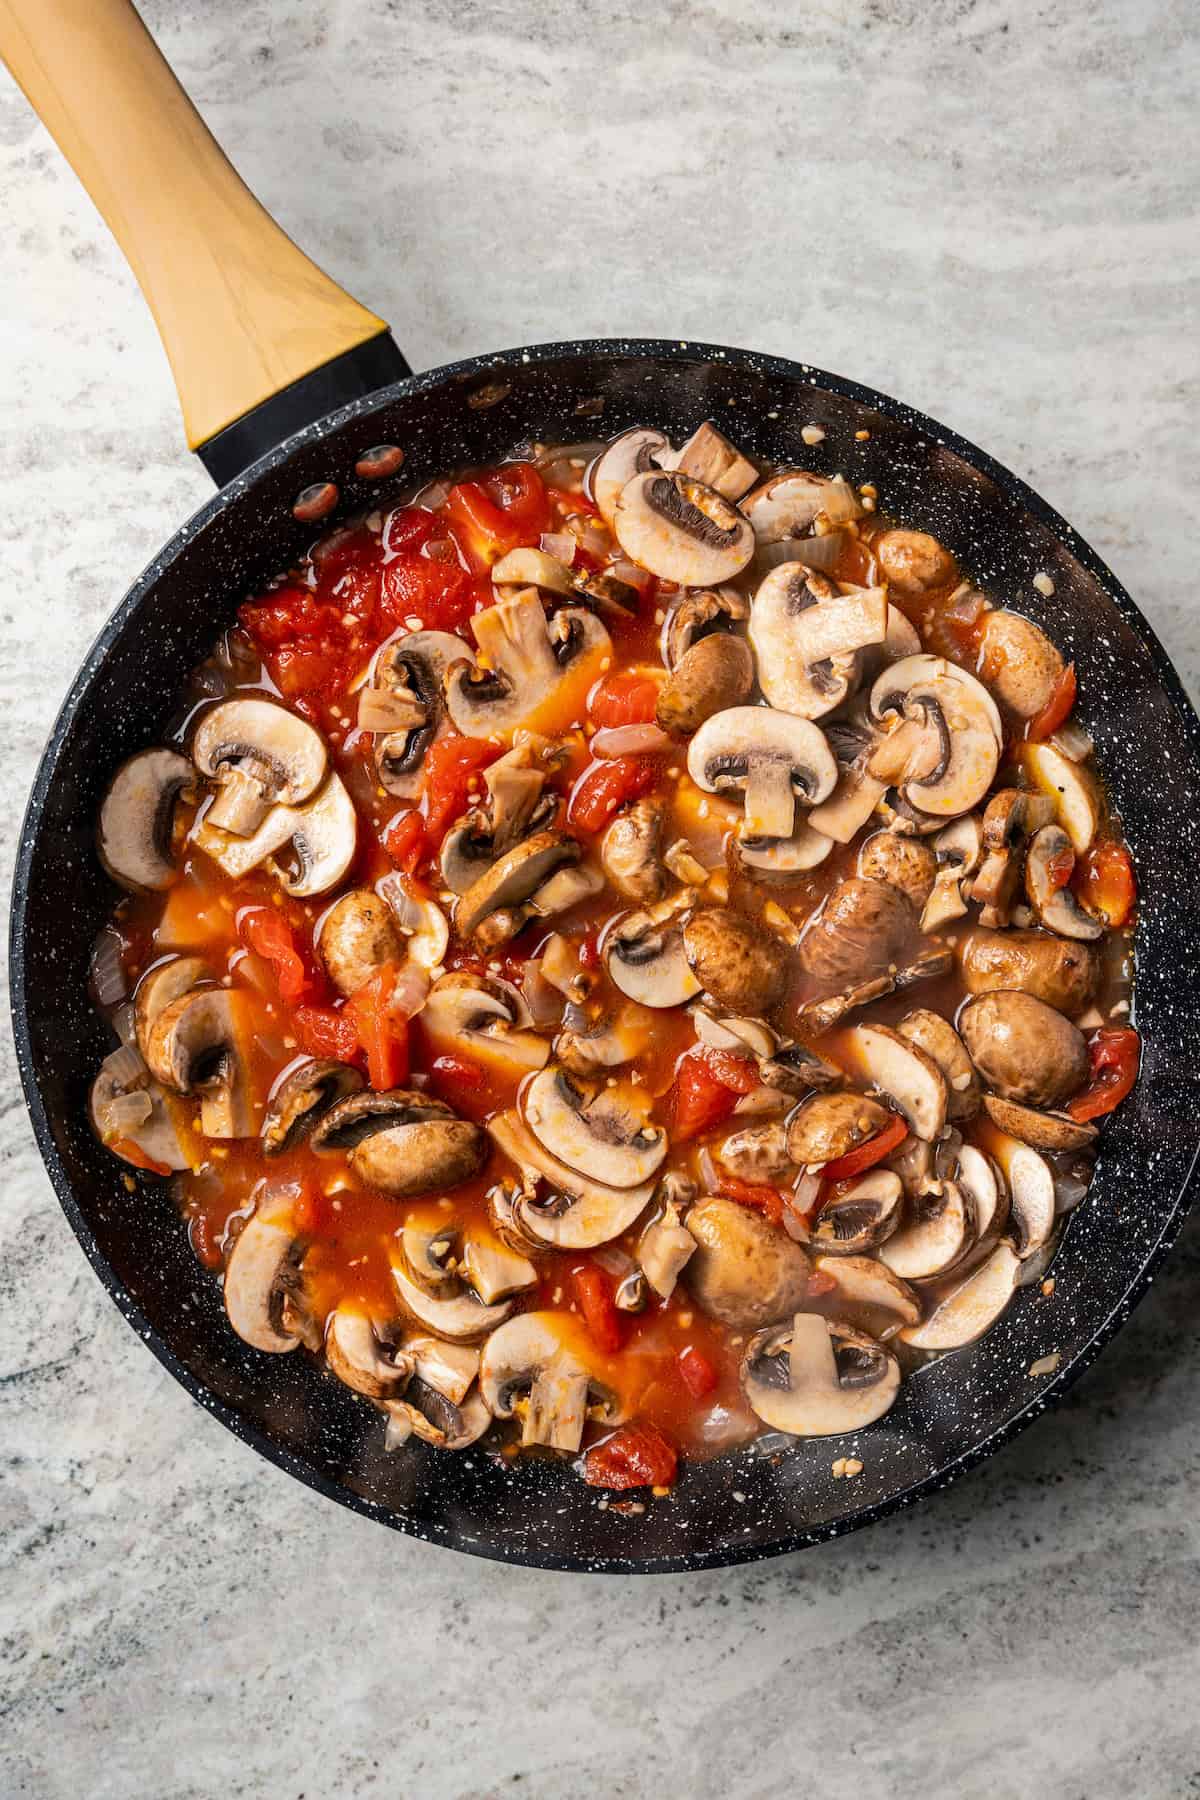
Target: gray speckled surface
[[992, 216]]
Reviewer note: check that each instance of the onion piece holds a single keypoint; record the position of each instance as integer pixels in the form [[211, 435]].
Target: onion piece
[[1073, 742], [560, 544], [815, 553], [840, 502], [632, 572], [629, 740], [109, 982], [123, 1115], [708, 1170], [409, 990], [124, 1066], [124, 1023], [966, 604]]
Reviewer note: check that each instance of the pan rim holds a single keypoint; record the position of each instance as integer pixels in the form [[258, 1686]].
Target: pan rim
[[656, 351]]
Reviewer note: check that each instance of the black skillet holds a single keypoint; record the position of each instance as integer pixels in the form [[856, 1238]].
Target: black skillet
[[747, 1505]]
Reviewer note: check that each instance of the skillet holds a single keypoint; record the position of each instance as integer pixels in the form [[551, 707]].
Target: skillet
[[286, 382]]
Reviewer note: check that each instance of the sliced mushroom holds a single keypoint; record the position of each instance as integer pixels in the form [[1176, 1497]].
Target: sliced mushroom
[[1023, 1048], [423, 927], [631, 852], [806, 635], [495, 1271], [936, 1237], [1019, 662], [828, 1126], [862, 929], [414, 667], [665, 1248], [818, 1377], [795, 1069], [633, 453], [1031, 1193], [744, 1272], [601, 1133], [448, 1368], [783, 859], [402, 1142], [579, 1212], [1048, 867], [758, 1153], [716, 673], [938, 1038], [645, 959], [197, 1045], [460, 1315], [743, 965], [1043, 1130], [708, 456], [971, 1307], [137, 819], [523, 660], [484, 1018], [787, 503], [698, 615], [681, 530], [532, 568], [357, 1357], [956, 713], [160, 985], [1075, 790], [129, 1110], [958, 849], [261, 756], [510, 884], [771, 758], [426, 1413], [358, 937], [852, 801], [903, 862], [322, 836], [906, 1074], [1063, 973], [914, 562], [858, 1220], [303, 1096], [867, 1293], [264, 1283], [588, 1048], [817, 1016], [983, 1181], [472, 844], [537, 1365], [1009, 820]]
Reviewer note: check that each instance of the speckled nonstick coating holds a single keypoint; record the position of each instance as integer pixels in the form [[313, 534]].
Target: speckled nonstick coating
[[745, 1505]]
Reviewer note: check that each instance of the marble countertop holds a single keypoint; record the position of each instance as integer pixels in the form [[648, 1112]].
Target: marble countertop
[[987, 210]]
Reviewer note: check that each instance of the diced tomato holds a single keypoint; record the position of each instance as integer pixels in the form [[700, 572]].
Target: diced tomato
[[449, 771], [636, 1455], [382, 1033], [699, 1375], [624, 698], [204, 1241], [457, 1071], [281, 616], [867, 1155], [820, 1282], [520, 493], [262, 930], [607, 786], [758, 1198], [411, 528], [1056, 710], [1114, 1055], [588, 951], [1104, 881], [699, 1098], [1059, 868], [303, 642], [572, 500], [324, 1031], [309, 1212], [482, 530], [594, 1291], [349, 547], [733, 1071], [441, 594], [404, 840], [133, 1153]]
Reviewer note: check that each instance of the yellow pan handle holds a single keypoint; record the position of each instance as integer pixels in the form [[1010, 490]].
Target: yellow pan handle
[[241, 311]]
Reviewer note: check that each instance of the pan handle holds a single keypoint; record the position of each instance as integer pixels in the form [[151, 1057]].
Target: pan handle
[[261, 342]]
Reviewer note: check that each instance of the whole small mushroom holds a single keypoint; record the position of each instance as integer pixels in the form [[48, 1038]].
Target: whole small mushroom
[[1024, 1049], [744, 1272], [741, 963]]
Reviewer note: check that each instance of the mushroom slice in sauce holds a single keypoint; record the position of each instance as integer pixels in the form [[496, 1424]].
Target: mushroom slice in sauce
[[958, 716], [301, 1098], [1019, 662], [708, 456], [264, 1283], [1062, 972], [579, 1212], [197, 1044], [631, 852], [128, 1111], [697, 615], [786, 504], [483, 1017], [958, 849], [682, 530], [644, 956], [758, 1154], [356, 1356], [772, 759], [1048, 868], [716, 673], [534, 1366], [321, 835], [461, 1315], [1074, 790], [938, 1038], [818, 1377], [860, 1219], [402, 1142], [599, 1132], [1033, 1203], [741, 963], [971, 1306], [635, 452], [1024, 1049], [411, 667], [137, 819], [161, 984], [936, 1237], [867, 1292], [260, 755], [827, 1126], [1043, 1130], [525, 663], [430, 1415], [358, 936], [744, 1271], [805, 636], [862, 929], [665, 1248], [498, 903], [906, 1074]]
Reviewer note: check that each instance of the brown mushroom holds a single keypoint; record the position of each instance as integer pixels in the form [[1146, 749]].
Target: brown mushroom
[[1023, 1048], [716, 673], [743, 965], [300, 1100], [631, 852], [402, 1142], [744, 1272], [914, 562], [827, 1126], [358, 936], [861, 929], [1063, 973], [903, 862], [1019, 663]]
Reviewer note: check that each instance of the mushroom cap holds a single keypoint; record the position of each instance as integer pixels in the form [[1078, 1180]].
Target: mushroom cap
[[195, 1045], [936, 1237], [526, 657], [634, 452], [866, 1293], [741, 963], [682, 530], [470, 848], [710, 457], [415, 662], [579, 1213], [137, 819], [644, 957], [1055, 905], [818, 1377], [402, 1142], [1063, 973], [861, 930], [716, 673], [536, 1354], [307, 1091], [859, 1220], [744, 1271], [1043, 1130], [699, 614], [914, 562], [601, 1133], [126, 1106], [806, 637], [275, 749], [514, 878], [322, 835], [263, 1272], [357, 1358], [903, 862], [826, 1126], [459, 1315], [436, 1419], [772, 758], [909, 1077], [1023, 1048], [630, 852], [358, 936], [160, 985], [758, 1153], [1020, 663]]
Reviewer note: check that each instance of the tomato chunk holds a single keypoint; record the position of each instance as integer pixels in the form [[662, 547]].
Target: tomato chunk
[[606, 787], [624, 698], [452, 766], [270, 937], [699, 1374], [404, 840], [1057, 709], [482, 530], [1114, 1055], [867, 1155], [133, 1153], [1104, 881], [706, 1089], [324, 1031], [520, 493], [595, 1293], [381, 1032], [442, 595], [411, 528], [757, 1198], [636, 1455]]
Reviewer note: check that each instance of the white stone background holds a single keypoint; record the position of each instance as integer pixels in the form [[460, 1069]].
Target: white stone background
[[987, 209]]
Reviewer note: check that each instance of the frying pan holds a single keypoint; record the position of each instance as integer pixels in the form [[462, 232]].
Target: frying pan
[[285, 381]]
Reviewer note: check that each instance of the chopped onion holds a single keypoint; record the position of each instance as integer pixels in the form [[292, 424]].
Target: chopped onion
[[966, 604], [613, 1261], [762, 1100], [593, 538], [708, 1170], [126, 1112], [124, 1023], [108, 971], [815, 552], [543, 999], [409, 990], [560, 544], [399, 1430], [124, 1066], [840, 502], [632, 572], [629, 740], [1073, 742], [1069, 1190]]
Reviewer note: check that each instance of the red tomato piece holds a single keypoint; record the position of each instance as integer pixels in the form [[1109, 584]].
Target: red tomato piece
[[270, 937], [607, 786], [698, 1098], [867, 1155], [441, 594], [520, 493], [382, 1034], [411, 528], [133, 1153], [624, 698], [766, 1200], [1057, 709], [324, 1031], [481, 529], [1114, 1055], [458, 1070], [449, 771], [404, 841], [636, 1455], [731, 1070], [699, 1375], [595, 1294], [1105, 882], [572, 500], [204, 1243]]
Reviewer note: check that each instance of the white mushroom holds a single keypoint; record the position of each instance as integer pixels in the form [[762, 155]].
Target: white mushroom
[[959, 721], [321, 835], [499, 902], [462, 1315], [356, 1356], [198, 1044], [524, 659], [1048, 866], [137, 819], [906, 1074], [599, 1132], [1076, 793], [664, 1249], [1032, 1205], [938, 1038], [818, 1377], [862, 1217], [1044, 1130], [805, 636], [787, 504], [971, 1307], [644, 956], [402, 1142], [1019, 661], [773, 759], [682, 530], [264, 1293], [536, 1364], [128, 1108], [579, 1212], [484, 1018], [408, 674], [958, 848], [938, 1235], [708, 456], [867, 1293], [635, 452], [260, 755]]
